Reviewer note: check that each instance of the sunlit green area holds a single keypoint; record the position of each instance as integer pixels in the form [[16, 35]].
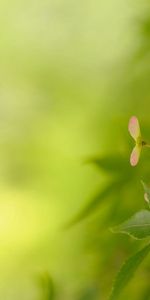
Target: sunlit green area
[[71, 75]]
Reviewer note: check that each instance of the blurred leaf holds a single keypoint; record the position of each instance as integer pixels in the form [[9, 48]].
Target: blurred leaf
[[144, 36], [110, 163], [127, 271], [91, 293], [138, 226], [97, 199], [145, 27], [47, 286], [146, 295]]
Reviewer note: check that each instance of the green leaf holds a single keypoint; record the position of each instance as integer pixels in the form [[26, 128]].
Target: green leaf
[[110, 163], [96, 200], [47, 286], [127, 271], [138, 226]]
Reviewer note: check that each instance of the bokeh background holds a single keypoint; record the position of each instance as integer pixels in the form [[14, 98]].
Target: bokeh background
[[71, 75]]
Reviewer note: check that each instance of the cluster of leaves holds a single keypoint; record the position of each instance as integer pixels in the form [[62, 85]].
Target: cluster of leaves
[[137, 226]]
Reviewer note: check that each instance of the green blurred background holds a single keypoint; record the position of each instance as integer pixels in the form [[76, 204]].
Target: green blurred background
[[71, 75]]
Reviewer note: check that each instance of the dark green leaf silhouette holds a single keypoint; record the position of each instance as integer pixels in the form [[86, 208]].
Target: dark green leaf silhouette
[[96, 200], [110, 163], [47, 286]]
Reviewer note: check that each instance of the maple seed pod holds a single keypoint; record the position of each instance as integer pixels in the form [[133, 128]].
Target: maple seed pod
[[135, 132]]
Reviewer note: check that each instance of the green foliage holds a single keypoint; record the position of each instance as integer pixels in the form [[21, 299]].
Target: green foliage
[[47, 286], [89, 294], [127, 271], [67, 91], [118, 167], [110, 163], [138, 226], [97, 200]]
